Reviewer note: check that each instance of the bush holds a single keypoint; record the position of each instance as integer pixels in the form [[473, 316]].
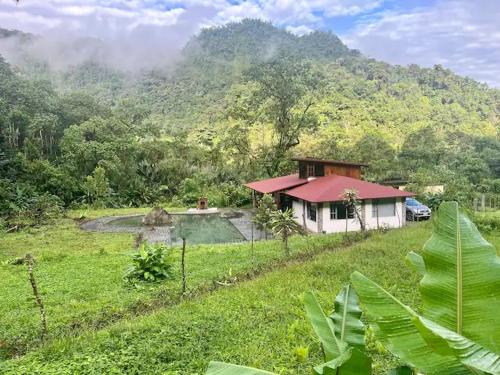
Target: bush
[[21, 206], [487, 224], [150, 264]]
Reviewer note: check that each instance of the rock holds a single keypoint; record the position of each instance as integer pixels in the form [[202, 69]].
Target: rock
[[158, 216]]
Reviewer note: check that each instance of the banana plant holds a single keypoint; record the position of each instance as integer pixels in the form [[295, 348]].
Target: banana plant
[[342, 334], [459, 330]]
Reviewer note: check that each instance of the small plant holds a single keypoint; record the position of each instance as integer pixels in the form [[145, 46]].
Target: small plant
[[263, 215], [149, 264], [284, 225]]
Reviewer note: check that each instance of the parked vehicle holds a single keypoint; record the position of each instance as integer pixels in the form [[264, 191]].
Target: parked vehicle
[[416, 211]]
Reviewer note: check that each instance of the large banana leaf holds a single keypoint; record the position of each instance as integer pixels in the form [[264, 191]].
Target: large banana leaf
[[351, 362], [402, 370], [323, 326], [221, 368], [416, 262], [346, 318], [393, 325], [470, 353], [461, 287]]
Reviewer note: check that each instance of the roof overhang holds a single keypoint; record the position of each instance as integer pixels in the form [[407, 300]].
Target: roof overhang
[[272, 185]]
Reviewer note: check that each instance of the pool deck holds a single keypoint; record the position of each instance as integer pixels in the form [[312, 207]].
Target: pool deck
[[240, 218]]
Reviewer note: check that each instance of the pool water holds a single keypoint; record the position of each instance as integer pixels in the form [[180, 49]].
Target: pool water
[[197, 229]]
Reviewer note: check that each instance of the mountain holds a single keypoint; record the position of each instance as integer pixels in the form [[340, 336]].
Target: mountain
[[238, 101]]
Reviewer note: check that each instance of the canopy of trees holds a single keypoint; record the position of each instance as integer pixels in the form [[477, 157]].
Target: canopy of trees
[[243, 99]]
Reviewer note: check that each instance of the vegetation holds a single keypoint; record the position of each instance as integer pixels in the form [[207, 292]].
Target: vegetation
[[96, 329], [264, 213], [150, 264], [74, 265], [448, 338], [92, 136], [88, 140], [351, 202], [284, 225]]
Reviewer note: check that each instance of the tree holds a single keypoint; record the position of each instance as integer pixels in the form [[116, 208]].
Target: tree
[[263, 214], [351, 201], [284, 97], [96, 186], [284, 225]]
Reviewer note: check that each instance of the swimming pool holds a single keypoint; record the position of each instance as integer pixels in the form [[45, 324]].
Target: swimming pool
[[196, 228]]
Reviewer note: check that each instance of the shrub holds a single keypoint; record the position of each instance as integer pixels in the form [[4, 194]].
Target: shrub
[[487, 224], [149, 264]]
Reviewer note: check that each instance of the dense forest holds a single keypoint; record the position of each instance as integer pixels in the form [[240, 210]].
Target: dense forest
[[234, 107]]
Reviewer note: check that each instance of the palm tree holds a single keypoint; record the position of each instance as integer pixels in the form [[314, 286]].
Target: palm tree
[[284, 225]]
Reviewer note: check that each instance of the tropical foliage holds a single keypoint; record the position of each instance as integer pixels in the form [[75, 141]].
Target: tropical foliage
[[457, 332], [149, 264], [220, 118], [284, 225]]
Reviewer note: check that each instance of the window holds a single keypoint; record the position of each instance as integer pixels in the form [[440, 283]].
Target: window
[[310, 170], [384, 207], [338, 211], [311, 211]]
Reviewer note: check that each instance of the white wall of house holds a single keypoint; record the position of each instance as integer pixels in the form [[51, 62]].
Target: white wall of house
[[387, 217], [298, 213]]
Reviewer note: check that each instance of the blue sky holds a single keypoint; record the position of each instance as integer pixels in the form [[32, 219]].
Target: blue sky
[[462, 35]]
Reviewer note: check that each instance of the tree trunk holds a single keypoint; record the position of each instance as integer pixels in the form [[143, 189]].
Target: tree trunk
[[30, 262], [346, 219], [251, 249], [285, 240], [183, 266], [361, 222]]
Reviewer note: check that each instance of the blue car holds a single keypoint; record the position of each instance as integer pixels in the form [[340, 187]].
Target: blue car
[[416, 211]]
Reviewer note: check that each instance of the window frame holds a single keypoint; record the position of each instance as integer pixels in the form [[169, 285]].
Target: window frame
[[311, 170], [346, 213], [377, 202], [312, 208]]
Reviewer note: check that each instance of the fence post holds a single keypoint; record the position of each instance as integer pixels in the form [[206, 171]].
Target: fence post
[[30, 262]]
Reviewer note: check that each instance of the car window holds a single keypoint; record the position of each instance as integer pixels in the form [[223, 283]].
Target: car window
[[412, 202]]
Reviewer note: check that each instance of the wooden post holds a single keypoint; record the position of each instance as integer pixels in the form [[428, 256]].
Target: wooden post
[[346, 218], [251, 249], [304, 215], [319, 216], [183, 265], [30, 262]]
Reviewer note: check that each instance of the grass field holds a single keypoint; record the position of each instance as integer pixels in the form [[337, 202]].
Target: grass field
[[80, 277], [259, 322]]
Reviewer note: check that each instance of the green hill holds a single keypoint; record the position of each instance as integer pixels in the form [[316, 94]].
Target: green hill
[[240, 100]]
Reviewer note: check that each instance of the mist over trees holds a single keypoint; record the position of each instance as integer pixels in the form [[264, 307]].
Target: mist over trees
[[243, 98]]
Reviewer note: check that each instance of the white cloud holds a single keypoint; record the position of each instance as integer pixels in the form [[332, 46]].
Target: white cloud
[[299, 30], [461, 35]]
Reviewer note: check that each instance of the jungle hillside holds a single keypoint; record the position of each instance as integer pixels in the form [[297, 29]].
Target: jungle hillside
[[238, 102]]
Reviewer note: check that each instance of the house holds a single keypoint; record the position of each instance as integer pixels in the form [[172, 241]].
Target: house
[[316, 196]]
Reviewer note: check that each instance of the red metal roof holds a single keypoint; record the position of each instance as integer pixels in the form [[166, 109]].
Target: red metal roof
[[276, 184], [333, 162], [331, 188]]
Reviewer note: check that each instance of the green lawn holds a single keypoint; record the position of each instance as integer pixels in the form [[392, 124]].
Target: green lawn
[[80, 277], [259, 322]]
